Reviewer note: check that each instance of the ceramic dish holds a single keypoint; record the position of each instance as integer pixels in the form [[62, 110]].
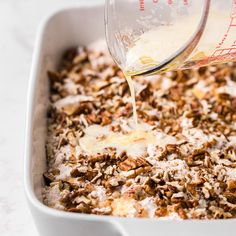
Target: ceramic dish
[[62, 30]]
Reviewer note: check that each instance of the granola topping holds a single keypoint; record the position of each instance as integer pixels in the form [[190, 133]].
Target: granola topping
[[179, 164]]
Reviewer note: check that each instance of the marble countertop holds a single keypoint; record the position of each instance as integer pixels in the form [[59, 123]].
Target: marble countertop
[[19, 20]]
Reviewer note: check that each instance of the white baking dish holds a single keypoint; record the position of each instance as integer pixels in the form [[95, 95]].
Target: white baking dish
[[66, 28]]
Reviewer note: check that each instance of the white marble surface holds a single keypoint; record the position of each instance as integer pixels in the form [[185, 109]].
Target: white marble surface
[[19, 20]]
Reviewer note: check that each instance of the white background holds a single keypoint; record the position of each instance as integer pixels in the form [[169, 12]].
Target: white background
[[19, 21]]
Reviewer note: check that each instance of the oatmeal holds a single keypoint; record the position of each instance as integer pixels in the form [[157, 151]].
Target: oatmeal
[[180, 164]]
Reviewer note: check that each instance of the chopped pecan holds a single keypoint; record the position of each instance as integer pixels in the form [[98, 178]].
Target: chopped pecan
[[81, 208], [48, 178], [80, 171], [128, 164], [231, 185], [161, 212]]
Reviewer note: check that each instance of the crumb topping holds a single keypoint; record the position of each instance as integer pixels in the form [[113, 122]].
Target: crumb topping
[[185, 169]]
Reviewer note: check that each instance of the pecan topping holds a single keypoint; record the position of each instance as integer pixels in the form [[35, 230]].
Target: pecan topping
[[190, 173]]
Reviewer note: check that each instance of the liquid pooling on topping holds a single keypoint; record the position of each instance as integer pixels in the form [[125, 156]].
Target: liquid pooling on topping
[[97, 139]]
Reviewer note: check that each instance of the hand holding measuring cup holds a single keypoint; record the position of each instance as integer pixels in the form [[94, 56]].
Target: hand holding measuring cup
[[148, 36]]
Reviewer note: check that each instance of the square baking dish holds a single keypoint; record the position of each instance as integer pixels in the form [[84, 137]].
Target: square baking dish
[[64, 29]]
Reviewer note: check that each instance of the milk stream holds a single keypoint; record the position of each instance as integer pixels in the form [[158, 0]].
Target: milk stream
[[133, 100]]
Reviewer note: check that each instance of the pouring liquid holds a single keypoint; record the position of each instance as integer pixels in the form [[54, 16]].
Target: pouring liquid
[[133, 100], [151, 48], [158, 44]]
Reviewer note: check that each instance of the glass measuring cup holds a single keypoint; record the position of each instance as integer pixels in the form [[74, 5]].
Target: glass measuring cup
[[146, 36]]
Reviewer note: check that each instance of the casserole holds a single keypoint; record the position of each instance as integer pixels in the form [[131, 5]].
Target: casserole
[[64, 29]]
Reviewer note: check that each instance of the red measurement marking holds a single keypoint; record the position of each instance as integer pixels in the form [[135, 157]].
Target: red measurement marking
[[219, 51], [223, 51], [141, 5], [232, 50], [169, 2], [186, 2], [233, 13]]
